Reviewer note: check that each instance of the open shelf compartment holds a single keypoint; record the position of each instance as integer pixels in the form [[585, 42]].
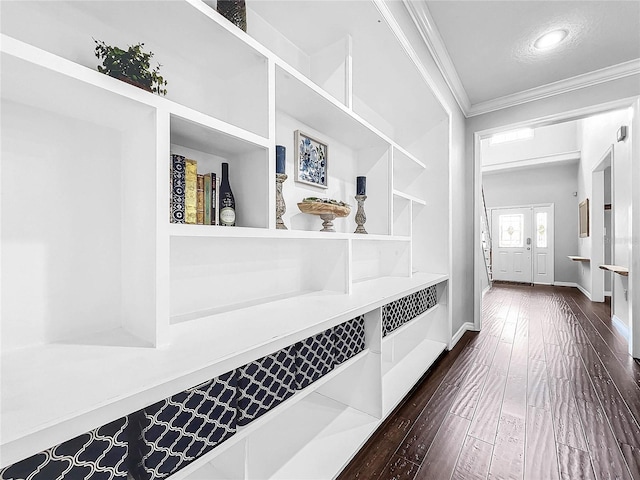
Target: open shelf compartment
[[236, 93], [409, 351], [205, 274], [322, 396], [72, 169], [353, 150], [373, 259], [248, 166]]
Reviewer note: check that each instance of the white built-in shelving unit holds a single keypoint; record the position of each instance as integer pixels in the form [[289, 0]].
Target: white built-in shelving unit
[[108, 308]]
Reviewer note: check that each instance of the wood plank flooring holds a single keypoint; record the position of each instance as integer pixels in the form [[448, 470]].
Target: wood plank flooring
[[545, 391]]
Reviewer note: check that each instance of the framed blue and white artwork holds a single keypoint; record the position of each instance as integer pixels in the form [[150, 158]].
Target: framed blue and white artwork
[[311, 160]]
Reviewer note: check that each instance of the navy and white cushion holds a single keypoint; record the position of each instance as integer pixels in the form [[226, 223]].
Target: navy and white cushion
[[420, 299], [100, 454], [314, 358], [265, 383], [432, 297], [393, 316], [410, 307], [175, 431], [398, 312], [348, 339]]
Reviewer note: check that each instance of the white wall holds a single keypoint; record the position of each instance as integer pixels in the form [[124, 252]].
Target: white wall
[[597, 134], [547, 140], [460, 177], [548, 184]]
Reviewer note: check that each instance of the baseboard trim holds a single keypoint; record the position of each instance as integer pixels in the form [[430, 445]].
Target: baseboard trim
[[584, 292], [621, 327], [607, 294], [574, 285], [486, 289], [464, 328]]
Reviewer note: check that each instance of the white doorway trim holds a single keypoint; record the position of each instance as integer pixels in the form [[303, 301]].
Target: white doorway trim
[[478, 258], [597, 225], [634, 254]]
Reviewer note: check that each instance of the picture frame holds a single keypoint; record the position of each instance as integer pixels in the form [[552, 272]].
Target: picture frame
[[584, 218], [311, 160]]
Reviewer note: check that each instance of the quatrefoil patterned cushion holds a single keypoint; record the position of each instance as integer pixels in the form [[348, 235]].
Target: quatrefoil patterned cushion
[[420, 299], [432, 297], [410, 307], [175, 431], [314, 358], [348, 339], [265, 383], [393, 316], [98, 455]]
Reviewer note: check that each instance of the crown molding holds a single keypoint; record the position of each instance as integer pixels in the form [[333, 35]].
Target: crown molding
[[584, 80], [427, 28]]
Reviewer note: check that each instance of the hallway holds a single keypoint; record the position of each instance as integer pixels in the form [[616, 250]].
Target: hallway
[[546, 391]]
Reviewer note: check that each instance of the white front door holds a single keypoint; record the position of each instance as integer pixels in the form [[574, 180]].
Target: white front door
[[511, 239], [543, 248]]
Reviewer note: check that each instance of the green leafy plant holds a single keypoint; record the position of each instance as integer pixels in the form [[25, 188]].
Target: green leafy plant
[[132, 66]]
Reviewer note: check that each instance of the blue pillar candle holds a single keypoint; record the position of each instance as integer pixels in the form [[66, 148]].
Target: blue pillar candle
[[281, 159], [361, 188]]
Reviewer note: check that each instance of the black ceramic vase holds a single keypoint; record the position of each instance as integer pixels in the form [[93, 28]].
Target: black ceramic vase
[[235, 11]]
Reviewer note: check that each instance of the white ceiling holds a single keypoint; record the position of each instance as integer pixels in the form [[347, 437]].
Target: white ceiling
[[485, 48]]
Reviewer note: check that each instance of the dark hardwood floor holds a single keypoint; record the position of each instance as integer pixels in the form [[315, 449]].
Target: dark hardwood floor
[[545, 391]]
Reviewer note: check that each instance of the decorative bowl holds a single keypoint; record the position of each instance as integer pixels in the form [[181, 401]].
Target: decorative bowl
[[327, 212]]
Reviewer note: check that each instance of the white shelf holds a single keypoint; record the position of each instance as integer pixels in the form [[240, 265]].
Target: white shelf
[[55, 405], [411, 198], [192, 68], [409, 351], [202, 132], [81, 92], [400, 377], [193, 469], [322, 110], [108, 307], [327, 435], [212, 472], [183, 230], [403, 157]]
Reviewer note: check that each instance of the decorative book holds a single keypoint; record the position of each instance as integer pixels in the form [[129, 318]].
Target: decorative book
[[177, 189], [191, 191], [200, 200], [265, 383], [174, 432], [100, 454], [348, 339], [314, 358], [216, 203], [207, 198]]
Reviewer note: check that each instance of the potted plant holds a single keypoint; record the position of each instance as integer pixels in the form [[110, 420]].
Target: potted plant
[[131, 66]]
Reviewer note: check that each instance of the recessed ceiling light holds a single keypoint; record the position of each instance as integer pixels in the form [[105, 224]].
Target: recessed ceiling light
[[550, 40]]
